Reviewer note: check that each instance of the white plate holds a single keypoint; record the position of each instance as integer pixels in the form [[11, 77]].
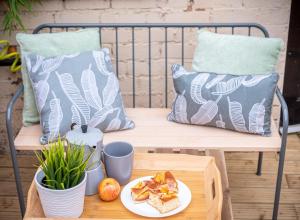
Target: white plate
[[146, 210]]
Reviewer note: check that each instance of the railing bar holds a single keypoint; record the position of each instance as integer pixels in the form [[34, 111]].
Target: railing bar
[[182, 46], [232, 30], [133, 68], [166, 67], [149, 38], [249, 31], [146, 25], [216, 29], [153, 25], [100, 36], [67, 29], [117, 52], [50, 29]]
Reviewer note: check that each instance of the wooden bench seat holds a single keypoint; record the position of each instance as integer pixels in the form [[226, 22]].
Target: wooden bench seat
[[154, 131]]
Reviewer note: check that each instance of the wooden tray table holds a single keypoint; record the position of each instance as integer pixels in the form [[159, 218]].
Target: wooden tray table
[[199, 173]]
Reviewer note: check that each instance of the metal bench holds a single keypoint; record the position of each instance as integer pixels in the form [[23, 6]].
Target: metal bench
[[152, 129]]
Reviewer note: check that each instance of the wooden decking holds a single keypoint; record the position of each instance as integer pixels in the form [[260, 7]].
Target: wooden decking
[[252, 196]]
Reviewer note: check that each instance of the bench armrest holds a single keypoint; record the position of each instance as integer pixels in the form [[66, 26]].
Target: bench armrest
[[9, 113], [284, 114]]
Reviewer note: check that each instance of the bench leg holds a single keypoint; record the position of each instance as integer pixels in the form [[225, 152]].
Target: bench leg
[[278, 185], [219, 156], [259, 163]]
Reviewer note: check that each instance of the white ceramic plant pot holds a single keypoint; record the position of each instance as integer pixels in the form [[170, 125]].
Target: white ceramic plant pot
[[61, 203]]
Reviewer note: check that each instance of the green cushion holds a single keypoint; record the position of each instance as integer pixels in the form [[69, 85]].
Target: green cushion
[[235, 54], [48, 45]]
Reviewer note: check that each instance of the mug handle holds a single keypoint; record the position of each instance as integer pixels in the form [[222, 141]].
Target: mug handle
[[73, 125], [102, 156]]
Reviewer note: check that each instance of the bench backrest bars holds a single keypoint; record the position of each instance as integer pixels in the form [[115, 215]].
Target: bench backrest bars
[[247, 28]]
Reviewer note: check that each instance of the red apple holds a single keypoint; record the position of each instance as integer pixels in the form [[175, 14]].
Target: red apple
[[109, 189]]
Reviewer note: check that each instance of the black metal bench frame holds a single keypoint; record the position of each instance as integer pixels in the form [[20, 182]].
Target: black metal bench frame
[[165, 27]]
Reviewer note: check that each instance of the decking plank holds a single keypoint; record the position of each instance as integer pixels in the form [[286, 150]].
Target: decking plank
[[258, 211]]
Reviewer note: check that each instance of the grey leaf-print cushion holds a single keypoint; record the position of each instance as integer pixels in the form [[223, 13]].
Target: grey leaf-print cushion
[[80, 88], [240, 103]]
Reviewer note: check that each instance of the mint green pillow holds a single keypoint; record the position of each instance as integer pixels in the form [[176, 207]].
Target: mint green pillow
[[48, 45], [235, 54]]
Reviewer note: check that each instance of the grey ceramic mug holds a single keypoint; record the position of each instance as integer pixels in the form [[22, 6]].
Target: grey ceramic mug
[[118, 160]]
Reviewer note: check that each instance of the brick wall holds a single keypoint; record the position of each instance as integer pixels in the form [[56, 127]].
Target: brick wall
[[273, 14]]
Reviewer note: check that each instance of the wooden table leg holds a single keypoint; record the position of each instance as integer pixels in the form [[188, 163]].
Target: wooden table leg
[[227, 213]]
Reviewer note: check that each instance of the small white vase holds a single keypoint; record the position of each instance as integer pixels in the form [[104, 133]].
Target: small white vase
[[61, 203]]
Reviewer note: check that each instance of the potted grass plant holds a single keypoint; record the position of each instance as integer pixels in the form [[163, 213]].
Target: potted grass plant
[[61, 179]]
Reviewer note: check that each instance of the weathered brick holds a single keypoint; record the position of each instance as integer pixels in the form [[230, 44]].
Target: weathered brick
[[49, 5], [120, 4], [122, 16], [188, 17], [79, 16], [260, 15], [267, 4], [202, 4], [32, 19], [91, 4]]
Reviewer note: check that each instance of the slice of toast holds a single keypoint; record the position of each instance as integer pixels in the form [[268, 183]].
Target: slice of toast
[[140, 192], [163, 202]]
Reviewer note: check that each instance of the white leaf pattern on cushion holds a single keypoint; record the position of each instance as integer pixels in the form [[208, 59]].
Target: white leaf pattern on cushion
[[110, 90], [257, 117], [225, 88], [196, 87], [99, 57], [128, 124], [254, 80], [180, 109], [100, 116], [236, 115], [73, 93], [38, 63], [178, 71], [55, 117], [220, 123], [90, 89], [75, 115], [51, 64], [214, 81], [205, 113], [115, 123], [41, 90]]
